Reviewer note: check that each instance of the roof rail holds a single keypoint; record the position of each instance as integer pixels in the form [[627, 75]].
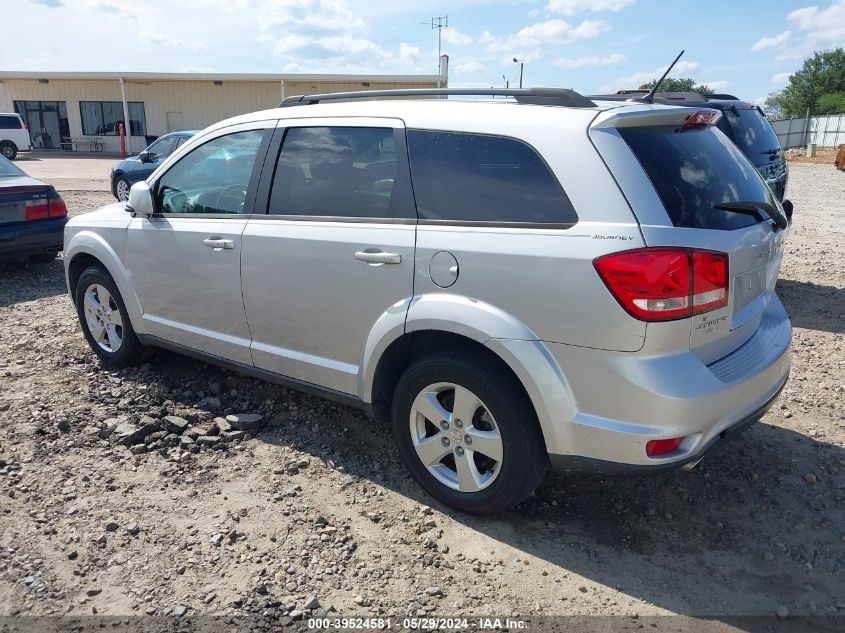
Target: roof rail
[[538, 96]]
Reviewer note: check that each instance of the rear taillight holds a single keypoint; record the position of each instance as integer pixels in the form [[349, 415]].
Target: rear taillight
[[43, 208], [666, 283]]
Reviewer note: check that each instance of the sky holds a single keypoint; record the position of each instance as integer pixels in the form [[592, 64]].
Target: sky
[[746, 47]]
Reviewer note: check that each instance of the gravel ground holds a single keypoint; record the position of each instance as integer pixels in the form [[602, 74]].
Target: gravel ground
[[105, 509]]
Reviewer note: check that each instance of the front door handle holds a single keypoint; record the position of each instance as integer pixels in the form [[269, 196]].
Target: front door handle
[[218, 244], [378, 257]]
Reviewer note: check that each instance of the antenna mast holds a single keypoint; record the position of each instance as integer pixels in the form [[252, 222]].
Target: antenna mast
[[439, 23], [649, 98]]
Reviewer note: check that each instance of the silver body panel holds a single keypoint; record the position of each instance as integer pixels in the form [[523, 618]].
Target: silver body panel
[[291, 298]]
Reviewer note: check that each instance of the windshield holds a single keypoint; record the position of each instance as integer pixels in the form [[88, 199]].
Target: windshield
[[695, 172], [7, 169], [750, 130]]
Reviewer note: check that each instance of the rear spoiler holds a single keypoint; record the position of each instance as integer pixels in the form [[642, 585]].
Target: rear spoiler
[[681, 117]]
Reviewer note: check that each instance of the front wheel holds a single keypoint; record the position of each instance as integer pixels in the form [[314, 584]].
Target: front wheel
[[105, 322], [468, 432]]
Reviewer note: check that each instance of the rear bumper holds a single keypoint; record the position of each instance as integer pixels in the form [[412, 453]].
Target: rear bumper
[[625, 400], [19, 239]]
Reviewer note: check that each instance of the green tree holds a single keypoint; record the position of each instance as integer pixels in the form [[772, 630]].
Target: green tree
[[831, 103], [821, 74], [678, 85]]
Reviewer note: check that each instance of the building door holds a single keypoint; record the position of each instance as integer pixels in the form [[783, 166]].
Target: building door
[[47, 122], [174, 121]]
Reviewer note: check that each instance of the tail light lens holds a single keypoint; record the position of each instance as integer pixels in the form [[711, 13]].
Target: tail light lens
[[50, 207], [655, 448], [701, 119], [665, 283]]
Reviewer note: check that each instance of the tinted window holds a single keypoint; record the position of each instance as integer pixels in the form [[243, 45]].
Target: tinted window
[[9, 122], [476, 178], [340, 171], [103, 118], [751, 131], [213, 178], [694, 170]]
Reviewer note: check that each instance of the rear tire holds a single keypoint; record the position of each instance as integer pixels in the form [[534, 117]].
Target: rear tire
[[121, 188], [485, 463], [8, 150], [104, 320]]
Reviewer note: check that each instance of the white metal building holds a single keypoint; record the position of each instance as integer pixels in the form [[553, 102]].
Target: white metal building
[[81, 111]]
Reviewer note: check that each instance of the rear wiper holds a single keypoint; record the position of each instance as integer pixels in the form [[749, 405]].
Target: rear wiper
[[771, 151], [753, 208]]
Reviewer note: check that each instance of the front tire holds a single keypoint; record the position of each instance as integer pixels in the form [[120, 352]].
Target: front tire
[[121, 188], [104, 320], [467, 432], [8, 150]]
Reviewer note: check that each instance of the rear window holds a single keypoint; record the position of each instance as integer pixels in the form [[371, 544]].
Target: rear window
[[693, 171], [462, 177], [750, 130], [10, 122], [8, 170]]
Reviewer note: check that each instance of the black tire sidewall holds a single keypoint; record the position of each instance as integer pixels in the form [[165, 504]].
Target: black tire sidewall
[[131, 351], [524, 457], [14, 150]]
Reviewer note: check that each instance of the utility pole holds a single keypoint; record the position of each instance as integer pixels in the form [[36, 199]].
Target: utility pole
[[439, 23]]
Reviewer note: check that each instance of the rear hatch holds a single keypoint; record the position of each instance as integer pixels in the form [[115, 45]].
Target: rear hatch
[[714, 200]]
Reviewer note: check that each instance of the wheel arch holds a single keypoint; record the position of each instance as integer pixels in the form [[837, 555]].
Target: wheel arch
[[87, 249]]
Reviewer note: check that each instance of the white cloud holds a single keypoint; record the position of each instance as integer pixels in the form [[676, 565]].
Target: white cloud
[[776, 41], [408, 53], [718, 86], [820, 28], [781, 78], [573, 7], [162, 40], [455, 37], [580, 62], [635, 80], [525, 42], [472, 67]]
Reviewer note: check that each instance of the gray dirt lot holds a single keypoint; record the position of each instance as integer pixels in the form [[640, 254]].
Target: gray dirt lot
[[317, 504]]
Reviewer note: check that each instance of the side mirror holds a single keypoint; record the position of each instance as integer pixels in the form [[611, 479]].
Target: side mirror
[[787, 209], [144, 156], [140, 199]]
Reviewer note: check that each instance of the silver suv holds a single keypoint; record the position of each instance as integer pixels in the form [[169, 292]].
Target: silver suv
[[508, 282]]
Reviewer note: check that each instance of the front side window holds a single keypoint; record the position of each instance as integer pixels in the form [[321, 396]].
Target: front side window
[[462, 177], [340, 172], [103, 118], [213, 178], [162, 148]]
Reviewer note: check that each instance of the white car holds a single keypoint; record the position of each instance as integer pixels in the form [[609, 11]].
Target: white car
[[14, 137]]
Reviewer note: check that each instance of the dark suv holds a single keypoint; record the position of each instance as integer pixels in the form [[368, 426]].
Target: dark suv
[[742, 122]]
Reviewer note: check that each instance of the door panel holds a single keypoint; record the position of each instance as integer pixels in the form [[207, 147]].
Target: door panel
[[336, 251], [186, 258], [190, 292]]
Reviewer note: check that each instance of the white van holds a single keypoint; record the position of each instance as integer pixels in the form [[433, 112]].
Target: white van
[[14, 137]]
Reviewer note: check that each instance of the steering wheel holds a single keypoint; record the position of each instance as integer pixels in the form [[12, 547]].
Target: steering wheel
[[237, 194]]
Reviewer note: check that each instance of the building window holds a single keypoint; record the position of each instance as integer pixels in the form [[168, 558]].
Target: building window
[[101, 118]]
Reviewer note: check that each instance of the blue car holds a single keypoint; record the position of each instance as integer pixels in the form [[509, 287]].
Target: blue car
[[136, 168], [32, 215]]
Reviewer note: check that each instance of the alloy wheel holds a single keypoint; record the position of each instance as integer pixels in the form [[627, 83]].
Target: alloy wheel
[[122, 188], [102, 316], [456, 437]]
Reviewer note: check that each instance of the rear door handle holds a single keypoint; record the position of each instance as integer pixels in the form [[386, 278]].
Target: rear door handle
[[218, 244], [378, 257]]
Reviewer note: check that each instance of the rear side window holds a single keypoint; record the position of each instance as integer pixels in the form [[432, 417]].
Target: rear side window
[[352, 172], [696, 170], [462, 177], [8, 122]]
